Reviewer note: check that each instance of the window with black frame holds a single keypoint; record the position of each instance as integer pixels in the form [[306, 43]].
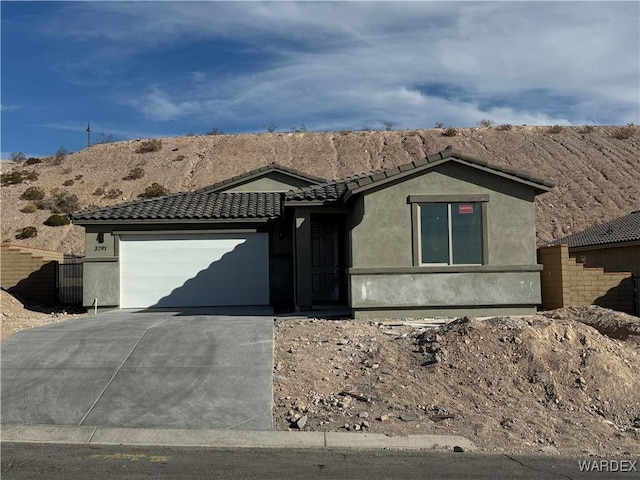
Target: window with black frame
[[450, 233]]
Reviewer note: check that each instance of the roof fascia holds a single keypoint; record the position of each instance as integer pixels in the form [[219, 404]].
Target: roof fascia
[[255, 175], [173, 221], [394, 178], [309, 203], [599, 246], [538, 187]]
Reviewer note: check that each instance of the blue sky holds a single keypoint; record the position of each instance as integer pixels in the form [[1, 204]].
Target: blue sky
[[147, 69]]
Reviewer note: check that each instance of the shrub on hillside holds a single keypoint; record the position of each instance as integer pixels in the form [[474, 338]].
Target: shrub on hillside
[[29, 208], [449, 132], [57, 220], [33, 161], [98, 191], [152, 145], [623, 133], [587, 129], [485, 122], [554, 129], [154, 190], [135, 174], [17, 157], [60, 155], [60, 201], [113, 193], [18, 176], [101, 139], [32, 193], [27, 232], [270, 127], [68, 183], [64, 202], [504, 127], [179, 158]]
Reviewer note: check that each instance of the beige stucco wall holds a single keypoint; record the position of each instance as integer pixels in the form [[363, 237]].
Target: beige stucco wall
[[383, 237], [272, 182], [101, 281], [95, 249], [381, 241]]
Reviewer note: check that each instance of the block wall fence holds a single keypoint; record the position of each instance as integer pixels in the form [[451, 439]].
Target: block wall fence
[[29, 273], [567, 283]]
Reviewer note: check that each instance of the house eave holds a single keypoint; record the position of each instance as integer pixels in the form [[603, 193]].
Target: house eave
[[173, 221], [539, 188], [242, 179], [600, 246], [310, 203]]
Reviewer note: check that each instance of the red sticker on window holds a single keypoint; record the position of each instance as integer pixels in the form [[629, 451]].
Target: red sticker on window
[[465, 208]]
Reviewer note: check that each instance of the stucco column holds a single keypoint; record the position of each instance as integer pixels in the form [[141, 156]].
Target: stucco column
[[302, 231]]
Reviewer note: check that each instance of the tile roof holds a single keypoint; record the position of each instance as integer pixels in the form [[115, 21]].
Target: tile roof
[[326, 192], [228, 182], [191, 206], [620, 230], [333, 191]]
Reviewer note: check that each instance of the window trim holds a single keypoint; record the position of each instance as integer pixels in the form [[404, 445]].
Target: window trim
[[416, 200]]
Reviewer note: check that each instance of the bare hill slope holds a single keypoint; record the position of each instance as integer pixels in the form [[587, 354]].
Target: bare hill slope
[[597, 174]]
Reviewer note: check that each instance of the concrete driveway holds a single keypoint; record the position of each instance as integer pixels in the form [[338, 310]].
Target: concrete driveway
[[152, 369]]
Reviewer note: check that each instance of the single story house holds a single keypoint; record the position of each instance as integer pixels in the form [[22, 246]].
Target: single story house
[[613, 246], [446, 235]]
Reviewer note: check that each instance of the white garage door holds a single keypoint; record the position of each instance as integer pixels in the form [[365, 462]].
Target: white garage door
[[194, 270]]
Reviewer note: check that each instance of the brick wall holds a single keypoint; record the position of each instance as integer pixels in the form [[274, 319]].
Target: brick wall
[[29, 273], [567, 283]]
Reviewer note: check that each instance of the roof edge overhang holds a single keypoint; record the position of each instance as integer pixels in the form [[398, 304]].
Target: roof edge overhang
[[310, 203], [598, 246], [420, 166], [174, 221], [260, 172], [424, 165]]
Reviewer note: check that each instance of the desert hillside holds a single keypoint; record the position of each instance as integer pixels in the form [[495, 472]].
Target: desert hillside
[[596, 169]]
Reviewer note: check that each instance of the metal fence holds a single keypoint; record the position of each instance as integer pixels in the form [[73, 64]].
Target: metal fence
[[69, 283], [636, 294]]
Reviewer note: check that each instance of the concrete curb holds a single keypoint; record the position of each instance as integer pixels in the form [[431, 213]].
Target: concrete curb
[[225, 438]]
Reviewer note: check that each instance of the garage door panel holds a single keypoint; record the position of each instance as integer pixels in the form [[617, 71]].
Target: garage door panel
[[194, 270]]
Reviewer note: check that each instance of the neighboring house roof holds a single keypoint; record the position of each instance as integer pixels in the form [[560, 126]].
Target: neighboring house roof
[[190, 206], [259, 172], [621, 230], [343, 188]]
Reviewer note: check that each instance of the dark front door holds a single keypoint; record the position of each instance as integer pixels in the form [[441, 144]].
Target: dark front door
[[325, 272]]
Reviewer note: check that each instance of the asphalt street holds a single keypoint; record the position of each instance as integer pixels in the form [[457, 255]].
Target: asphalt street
[[80, 462]]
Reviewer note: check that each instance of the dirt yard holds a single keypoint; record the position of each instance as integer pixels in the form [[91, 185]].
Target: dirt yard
[[546, 383], [15, 317]]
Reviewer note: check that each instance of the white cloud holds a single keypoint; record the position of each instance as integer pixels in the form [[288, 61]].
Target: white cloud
[[513, 62]]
